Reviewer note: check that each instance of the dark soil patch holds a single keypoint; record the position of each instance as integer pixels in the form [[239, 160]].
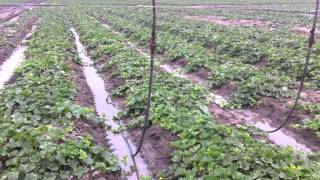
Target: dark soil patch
[[226, 90], [263, 62], [179, 63], [199, 75], [156, 149], [276, 111], [223, 116], [98, 176], [14, 41], [311, 96], [302, 30], [84, 96]]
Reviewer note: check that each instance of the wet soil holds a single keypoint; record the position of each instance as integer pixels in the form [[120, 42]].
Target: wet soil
[[231, 22], [223, 116], [179, 63], [17, 38], [10, 12], [226, 90], [263, 62], [84, 98], [302, 30], [199, 76], [311, 96], [156, 149], [276, 110]]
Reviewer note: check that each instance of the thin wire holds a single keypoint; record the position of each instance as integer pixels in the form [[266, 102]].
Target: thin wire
[[305, 70], [153, 46]]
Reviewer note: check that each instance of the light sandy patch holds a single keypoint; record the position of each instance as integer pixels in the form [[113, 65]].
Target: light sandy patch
[[232, 22], [302, 30]]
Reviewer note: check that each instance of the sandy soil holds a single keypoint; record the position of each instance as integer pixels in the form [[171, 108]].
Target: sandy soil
[[231, 22]]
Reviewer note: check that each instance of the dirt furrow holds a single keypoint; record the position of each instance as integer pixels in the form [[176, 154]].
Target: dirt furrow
[[16, 38], [11, 11]]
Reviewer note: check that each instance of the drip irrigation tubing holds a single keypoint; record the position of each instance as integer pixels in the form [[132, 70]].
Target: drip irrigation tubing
[[305, 71], [153, 46]]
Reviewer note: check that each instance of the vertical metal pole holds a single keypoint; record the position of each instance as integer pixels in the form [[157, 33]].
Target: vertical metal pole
[[153, 46]]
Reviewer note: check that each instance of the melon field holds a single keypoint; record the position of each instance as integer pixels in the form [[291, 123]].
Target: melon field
[[74, 79]]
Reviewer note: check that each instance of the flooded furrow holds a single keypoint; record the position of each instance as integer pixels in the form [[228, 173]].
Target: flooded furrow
[[282, 137], [120, 144], [18, 55]]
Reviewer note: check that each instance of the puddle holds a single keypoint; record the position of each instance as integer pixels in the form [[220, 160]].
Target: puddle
[[8, 67], [280, 137], [118, 141]]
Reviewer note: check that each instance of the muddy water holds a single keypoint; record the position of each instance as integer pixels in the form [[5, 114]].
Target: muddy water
[[8, 67], [280, 137], [118, 141]]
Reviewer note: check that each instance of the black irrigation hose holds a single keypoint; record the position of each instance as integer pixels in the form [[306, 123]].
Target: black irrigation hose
[[153, 46], [305, 70]]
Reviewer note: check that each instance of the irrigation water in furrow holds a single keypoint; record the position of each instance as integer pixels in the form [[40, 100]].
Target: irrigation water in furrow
[[247, 116], [119, 143], [8, 67], [251, 118]]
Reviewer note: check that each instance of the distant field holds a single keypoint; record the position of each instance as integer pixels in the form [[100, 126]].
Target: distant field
[[180, 2], [12, 1]]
